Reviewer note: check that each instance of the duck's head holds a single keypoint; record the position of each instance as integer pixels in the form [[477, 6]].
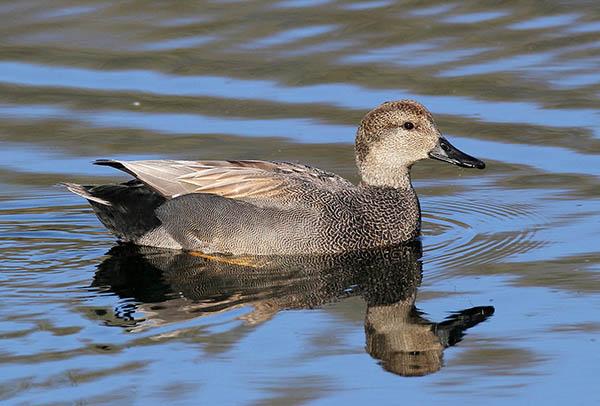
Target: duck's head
[[395, 135]]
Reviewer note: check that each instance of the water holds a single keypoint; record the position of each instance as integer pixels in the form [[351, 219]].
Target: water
[[508, 287]]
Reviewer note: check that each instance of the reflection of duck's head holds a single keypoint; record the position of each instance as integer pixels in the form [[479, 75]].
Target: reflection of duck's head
[[407, 344]]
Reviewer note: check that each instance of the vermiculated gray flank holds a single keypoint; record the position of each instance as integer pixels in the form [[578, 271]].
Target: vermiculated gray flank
[[261, 207]]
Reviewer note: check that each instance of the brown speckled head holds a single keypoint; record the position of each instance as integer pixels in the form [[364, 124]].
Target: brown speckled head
[[395, 135]]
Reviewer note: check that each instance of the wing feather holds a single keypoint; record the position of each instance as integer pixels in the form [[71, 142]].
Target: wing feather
[[231, 179]]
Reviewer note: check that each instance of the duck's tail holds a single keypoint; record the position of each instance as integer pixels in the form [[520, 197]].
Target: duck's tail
[[84, 191], [128, 210]]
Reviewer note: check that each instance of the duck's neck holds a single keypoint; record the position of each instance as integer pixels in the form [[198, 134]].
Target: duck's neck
[[391, 207], [397, 179]]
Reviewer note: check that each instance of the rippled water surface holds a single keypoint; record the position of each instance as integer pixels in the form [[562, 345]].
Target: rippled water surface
[[504, 304]]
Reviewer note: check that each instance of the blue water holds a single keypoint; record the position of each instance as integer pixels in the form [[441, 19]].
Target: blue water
[[513, 84]]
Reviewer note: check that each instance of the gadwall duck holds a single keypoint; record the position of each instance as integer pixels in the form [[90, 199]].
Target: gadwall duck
[[261, 207]]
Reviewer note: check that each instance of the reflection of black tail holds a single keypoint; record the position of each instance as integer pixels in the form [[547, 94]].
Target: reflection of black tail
[[125, 273], [452, 330], [127, 210]]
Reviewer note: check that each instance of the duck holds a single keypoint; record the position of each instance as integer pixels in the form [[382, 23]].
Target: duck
[[255, 207]]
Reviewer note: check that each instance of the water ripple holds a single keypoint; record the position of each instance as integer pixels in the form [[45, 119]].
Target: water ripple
[[467, 233]]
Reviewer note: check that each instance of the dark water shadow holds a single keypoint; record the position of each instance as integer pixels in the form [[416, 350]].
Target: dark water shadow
[[173, 286]]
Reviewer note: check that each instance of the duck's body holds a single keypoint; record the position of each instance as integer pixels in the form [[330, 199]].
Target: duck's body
[[301, 209], [261, 207]]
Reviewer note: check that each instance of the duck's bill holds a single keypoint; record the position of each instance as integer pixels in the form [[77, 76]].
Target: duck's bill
[[446, 152]]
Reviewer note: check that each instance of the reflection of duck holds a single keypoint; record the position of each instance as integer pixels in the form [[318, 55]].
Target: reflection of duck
[[265, 208], [174, 286]]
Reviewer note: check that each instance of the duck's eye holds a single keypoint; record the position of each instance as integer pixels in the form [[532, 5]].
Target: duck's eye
[[408, 125]]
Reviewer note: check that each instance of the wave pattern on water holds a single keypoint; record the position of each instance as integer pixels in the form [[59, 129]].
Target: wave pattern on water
[[466, 233]]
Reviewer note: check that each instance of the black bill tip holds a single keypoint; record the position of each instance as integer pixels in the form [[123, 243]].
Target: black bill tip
[[446, 152], [479, 165]]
